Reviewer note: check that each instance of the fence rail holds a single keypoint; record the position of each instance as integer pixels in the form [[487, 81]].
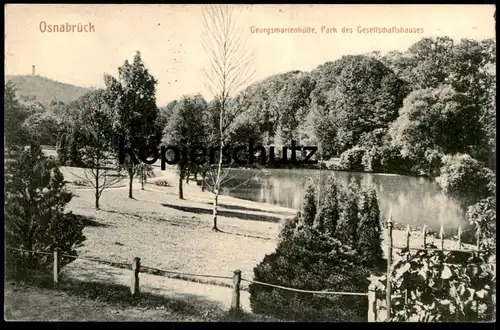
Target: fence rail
[[137, 268]]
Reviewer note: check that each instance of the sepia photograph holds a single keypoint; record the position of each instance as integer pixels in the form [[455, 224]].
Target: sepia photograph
[[249, 163]]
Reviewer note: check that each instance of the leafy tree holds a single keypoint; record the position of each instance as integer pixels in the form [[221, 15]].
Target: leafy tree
[[96, 125], [43, 127], [186, 129], [14, 116], [70, 145], [35, 197], [328, 215], [347, 227], [369, 235], [133, 95], [434, 122], [361, 94]]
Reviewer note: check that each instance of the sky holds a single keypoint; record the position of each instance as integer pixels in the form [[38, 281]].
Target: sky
[[169, 38]]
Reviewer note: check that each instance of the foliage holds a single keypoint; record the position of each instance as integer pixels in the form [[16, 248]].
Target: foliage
[[186, 129], [328, 214], [96, 124], [14, 116], [351, 159], [437, 286], [466, 179], [43, 127], [315, 252], [369, 235], [309, 208], [483, 217], [434, 122], [35, 197], [69, 146], [133, 96], [347, 227]]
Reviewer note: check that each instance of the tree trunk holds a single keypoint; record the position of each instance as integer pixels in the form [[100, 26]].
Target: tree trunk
[[215, 211], [203, 181], [97, 189], [130, 182], [187, 176], [217, 188], [142, 183], [181, 193]]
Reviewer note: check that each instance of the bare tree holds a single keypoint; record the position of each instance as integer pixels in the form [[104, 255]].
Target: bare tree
[[229, 68]]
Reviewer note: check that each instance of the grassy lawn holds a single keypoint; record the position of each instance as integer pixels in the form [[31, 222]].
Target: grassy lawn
[[93, 301], [173, 234]]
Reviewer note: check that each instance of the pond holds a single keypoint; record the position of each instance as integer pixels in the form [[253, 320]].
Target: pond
[[414, 201]]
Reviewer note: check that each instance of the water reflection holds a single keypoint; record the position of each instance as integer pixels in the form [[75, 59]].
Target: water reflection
[[414, 201]]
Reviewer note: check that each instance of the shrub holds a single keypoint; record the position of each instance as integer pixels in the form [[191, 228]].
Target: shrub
[[351, 159], [80, 183], [466, 179], [347, 227], [309, 257], [35, 197], [369, 231], [441, 286], [309, 205], [310, 260], [328, 215], [163, 183]]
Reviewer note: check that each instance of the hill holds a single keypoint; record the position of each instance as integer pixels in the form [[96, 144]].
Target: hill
[[45, 90]]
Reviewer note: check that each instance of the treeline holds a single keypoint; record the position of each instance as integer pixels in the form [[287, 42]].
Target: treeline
[[427, 111]]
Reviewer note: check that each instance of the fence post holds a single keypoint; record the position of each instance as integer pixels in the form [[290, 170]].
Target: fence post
[[389, 261], [441, 236], [424, 232], [57, 264], [460, 237], [408, 234], [134, 285], [235, 300], [372, 303]]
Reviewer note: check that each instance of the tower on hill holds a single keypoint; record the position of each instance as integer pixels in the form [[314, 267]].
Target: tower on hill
[[33, 70]]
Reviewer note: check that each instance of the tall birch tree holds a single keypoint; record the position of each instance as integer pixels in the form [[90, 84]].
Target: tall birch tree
[[229, 67]]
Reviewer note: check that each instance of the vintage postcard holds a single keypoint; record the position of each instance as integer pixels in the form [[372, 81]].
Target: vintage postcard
[[259, 163]]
